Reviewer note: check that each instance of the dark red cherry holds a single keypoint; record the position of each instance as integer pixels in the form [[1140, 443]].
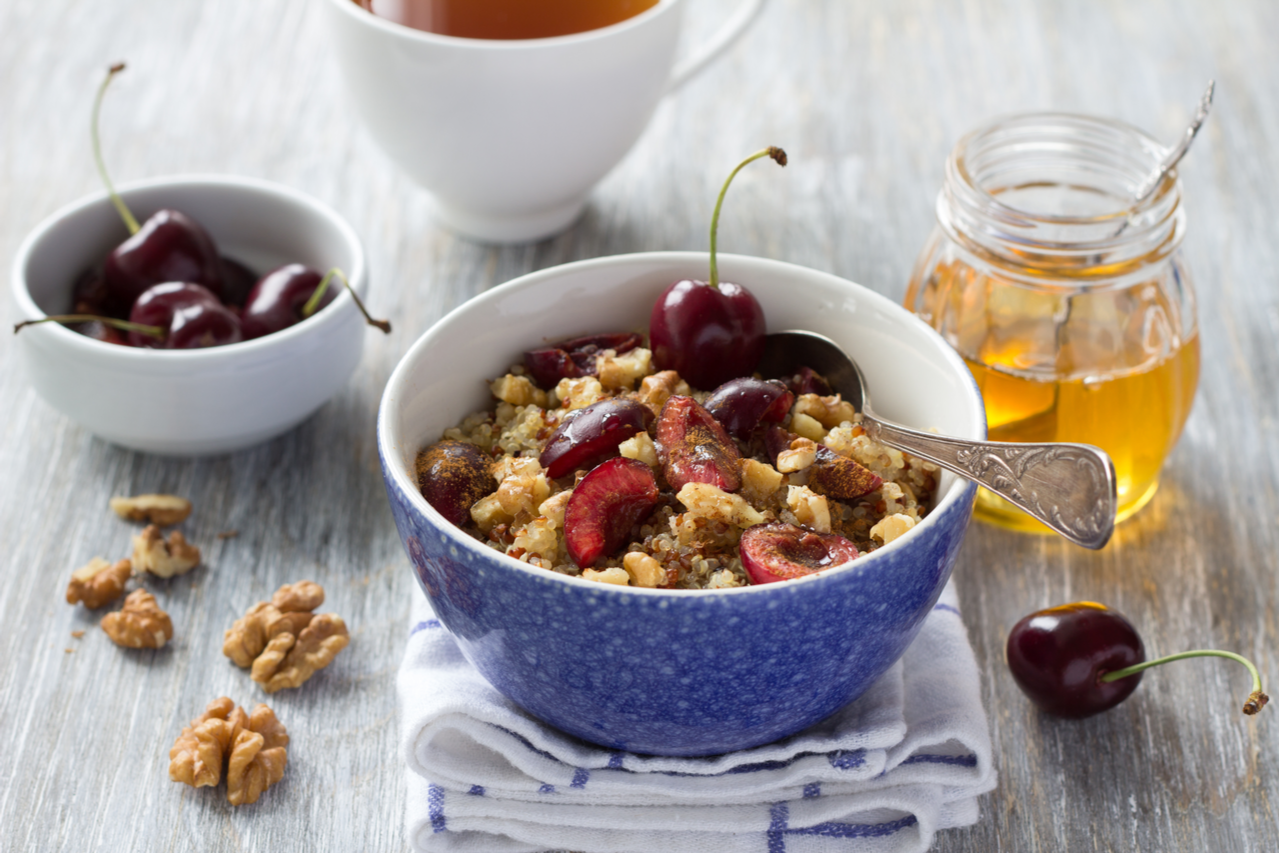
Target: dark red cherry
[[237, 281], [710, 332], [741, 405], [588, 436], [808, 381], [576, 357], [778, 552], [190, 314], [276, 301], [452, 476], [91, 296], [170, 246], [1059, 655], [605, 506], [694, 448]]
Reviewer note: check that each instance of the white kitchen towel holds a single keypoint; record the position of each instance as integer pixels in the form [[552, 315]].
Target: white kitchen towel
[[910, 757]]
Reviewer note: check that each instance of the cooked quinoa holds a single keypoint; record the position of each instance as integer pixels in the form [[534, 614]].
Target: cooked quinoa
[[688, 541]]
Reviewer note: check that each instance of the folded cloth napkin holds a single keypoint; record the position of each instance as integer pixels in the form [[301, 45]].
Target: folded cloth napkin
[[883, 774]]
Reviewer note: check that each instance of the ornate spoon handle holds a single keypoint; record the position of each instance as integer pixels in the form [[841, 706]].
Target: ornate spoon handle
[[1069, 487]]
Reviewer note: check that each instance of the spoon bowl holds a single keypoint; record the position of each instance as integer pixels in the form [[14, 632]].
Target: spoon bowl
[[1069, 487]]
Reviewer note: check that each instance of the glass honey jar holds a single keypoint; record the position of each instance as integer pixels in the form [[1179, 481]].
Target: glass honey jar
[[1069, 301]]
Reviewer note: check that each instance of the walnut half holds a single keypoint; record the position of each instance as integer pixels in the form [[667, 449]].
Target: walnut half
[[151, 553], [164, 510], [282, 641], [249, 747], [98, 582], [141, 624]]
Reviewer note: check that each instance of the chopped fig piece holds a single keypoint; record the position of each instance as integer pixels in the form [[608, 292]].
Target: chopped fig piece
[[779, 552], [740, 405], [694, 448], [588, 436], [452, 476], [605, 505], [577, 357], [839, 476], [808, 381]]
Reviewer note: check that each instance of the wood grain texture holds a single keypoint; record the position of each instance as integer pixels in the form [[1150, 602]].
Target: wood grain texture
[[867, 98]]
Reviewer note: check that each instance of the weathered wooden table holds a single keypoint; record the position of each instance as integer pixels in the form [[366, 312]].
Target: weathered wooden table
[[867, 98]]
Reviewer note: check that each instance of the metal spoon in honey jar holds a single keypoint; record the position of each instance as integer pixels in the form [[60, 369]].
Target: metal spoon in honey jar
[[1071, 488]]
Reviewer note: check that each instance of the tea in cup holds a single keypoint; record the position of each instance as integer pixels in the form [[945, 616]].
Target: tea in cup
[[506, 19], [510, 134]]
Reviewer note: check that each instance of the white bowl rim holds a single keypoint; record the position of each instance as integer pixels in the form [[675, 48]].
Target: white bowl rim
[[409, 33], [391, 455], [128, 354]]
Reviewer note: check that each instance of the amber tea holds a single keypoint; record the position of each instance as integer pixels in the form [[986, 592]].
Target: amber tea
[[506, 19]]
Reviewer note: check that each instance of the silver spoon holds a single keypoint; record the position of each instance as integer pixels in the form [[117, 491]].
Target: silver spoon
[[1069, 487]]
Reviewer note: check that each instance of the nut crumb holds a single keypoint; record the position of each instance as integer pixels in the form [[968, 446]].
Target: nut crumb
[[68, 651], [228, 534], [98, 582], [141, 624], [77, 634], [151, 553], [164, 510]]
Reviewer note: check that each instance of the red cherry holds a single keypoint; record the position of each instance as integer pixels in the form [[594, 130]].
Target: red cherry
[[604, 507], [277, 300], [694, 448], [779, 552], [588, 436], [191, 316], [741, 405], [452, 476], [1059, 655], [573, 358]]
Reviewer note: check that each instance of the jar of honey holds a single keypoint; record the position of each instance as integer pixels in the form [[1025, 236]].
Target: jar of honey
[[1070, 302]]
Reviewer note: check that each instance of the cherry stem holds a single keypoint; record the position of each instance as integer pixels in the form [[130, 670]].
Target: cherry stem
[[127, 215], [1256, 699], [123, 325], [780, 157], [318, 294]]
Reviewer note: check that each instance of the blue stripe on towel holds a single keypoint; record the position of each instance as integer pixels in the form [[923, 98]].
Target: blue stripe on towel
[[778, 816], [435, 807], [947, 607], [422, 626], [580, 777], [476, 791], [855, 830], [615, 760], [547, 789], [959, 760], [813, 789], [847, 760]]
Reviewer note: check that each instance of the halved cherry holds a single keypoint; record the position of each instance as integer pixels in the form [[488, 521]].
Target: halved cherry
[[808, 381], [588, 436], [605, 506], [452, 476], [576, 357], [740, 405], [694, 448], [779, 552]]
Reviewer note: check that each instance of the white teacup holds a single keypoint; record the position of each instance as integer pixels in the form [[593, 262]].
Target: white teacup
[[510, 136]]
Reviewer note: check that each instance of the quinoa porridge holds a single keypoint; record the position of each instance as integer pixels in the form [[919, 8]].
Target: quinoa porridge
[[627, 475]]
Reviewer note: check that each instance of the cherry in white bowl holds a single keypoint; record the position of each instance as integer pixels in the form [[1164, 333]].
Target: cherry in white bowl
[[198, 401], [664, 671]]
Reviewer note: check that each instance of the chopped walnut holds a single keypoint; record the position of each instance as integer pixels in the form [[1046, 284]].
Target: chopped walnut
[[553, 507], [798, 456], [524, 490], [620, 372], [580, 392], [706, 501], [518, 391], [643, 569], [640, 446], [284, 647], [655, 390], [141, 624], [613, 575], [488, 513], [811, 509], [151, 553], [828, 411], [759, 480], [891, 527], [807, 427], [98, 582], [164, 510], [250, 748], [538, 537]]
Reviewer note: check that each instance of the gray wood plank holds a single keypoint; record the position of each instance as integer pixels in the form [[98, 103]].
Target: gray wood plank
[[867, 99]]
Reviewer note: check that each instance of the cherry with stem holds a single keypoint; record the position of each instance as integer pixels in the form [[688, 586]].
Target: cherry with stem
[[313, 303], [1256, 701]]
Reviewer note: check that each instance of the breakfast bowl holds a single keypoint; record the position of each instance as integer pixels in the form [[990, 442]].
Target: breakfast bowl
[[191, 402], [665, 671]]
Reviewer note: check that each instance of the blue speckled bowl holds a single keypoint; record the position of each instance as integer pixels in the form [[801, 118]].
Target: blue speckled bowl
[[662, 671]]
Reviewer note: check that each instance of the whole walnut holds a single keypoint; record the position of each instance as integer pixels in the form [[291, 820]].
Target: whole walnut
[[141, 624]]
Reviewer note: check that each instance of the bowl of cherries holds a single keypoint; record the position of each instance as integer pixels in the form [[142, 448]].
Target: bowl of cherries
[[649, 666], [190, 315]]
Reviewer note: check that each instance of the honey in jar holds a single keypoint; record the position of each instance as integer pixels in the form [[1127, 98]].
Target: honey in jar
[[1070, 303], [506, 19]]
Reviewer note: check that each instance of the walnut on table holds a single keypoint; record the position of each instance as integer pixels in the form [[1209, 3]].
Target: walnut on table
[[98, 582], [151, 553], [141, 624], [282, 641], [250, 747], [164, 510]]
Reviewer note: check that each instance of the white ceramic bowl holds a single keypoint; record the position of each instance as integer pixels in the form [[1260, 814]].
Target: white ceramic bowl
[[191, 402], [665, 671]]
